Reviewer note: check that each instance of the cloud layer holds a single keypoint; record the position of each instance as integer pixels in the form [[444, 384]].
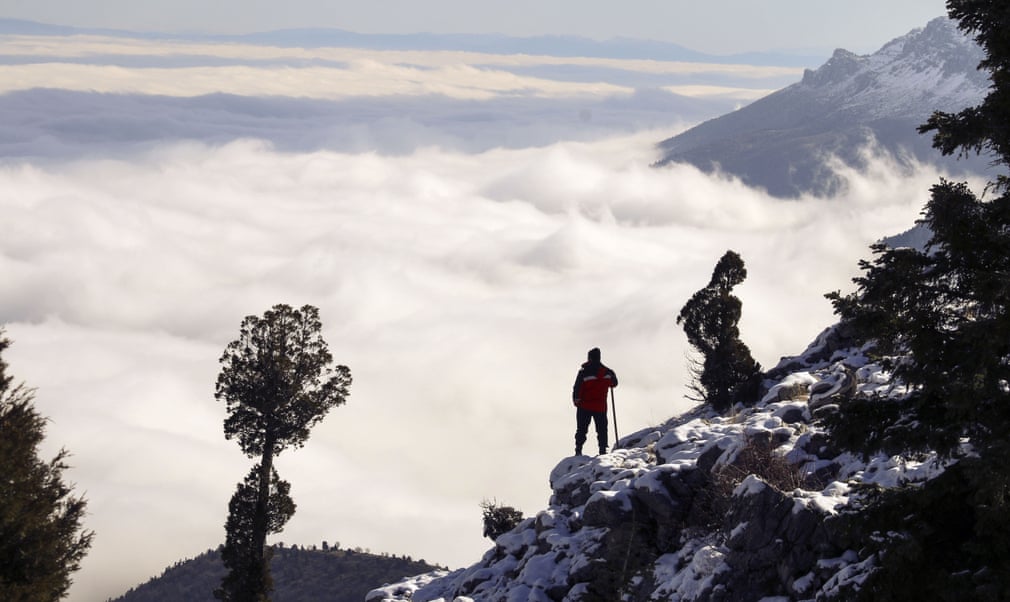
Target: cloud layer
[[464, 255], [94, 96], [462, 290]]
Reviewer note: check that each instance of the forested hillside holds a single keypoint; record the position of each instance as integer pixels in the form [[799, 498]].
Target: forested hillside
[[300, 575]]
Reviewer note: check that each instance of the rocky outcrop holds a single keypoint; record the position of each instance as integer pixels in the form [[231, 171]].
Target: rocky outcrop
[[705, 507], [775, 546]]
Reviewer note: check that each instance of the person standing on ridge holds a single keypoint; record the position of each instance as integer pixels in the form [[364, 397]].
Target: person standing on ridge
[[589, 395]]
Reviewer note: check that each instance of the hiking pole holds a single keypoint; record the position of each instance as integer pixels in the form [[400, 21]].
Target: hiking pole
[[613, 406]]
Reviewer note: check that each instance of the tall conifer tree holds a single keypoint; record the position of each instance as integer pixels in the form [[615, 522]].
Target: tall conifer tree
[[41, 537], [945, 312], [277, 382]]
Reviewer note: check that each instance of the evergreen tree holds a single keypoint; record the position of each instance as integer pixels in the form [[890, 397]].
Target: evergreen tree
[[41, 539], [727, 373], [277, 382], [249, 577], [944, 314]]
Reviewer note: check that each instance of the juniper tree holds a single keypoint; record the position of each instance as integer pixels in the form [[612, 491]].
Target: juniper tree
[[42, 541], [945, 312], [726, 372], [277, 382]]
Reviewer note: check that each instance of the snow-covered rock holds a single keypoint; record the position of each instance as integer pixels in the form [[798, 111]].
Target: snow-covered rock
[[704, 507]]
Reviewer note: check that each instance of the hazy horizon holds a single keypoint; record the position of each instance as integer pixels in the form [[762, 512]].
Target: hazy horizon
[[721, 28]]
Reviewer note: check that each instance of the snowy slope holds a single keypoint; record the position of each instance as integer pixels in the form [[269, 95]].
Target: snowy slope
[[786, 141], [933, 68], [646, 522]]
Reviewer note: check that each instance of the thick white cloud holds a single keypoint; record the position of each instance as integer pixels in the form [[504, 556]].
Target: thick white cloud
[[462, 290]]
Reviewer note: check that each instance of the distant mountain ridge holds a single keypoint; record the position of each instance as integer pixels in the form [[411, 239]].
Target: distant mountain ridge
[[782, 142], [563, 46]]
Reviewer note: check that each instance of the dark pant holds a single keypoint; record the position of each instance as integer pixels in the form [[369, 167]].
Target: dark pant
[[582, 419]]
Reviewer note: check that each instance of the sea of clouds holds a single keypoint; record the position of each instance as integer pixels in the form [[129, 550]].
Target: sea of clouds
[[468, 225]]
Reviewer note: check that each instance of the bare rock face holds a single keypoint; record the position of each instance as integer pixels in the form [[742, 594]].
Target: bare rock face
[[774, 547]]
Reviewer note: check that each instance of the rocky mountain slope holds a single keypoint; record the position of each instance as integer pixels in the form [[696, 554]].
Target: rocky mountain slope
[[748, 506], [785, 142]]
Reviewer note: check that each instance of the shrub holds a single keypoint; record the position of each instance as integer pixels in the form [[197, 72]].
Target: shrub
[[499, 519], [757, 457]]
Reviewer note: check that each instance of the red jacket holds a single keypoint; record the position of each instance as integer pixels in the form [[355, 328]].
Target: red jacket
[[591, 386]]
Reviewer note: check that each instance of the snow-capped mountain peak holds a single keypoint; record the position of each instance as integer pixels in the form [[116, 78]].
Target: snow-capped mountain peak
[[932, 68], [786, 142]]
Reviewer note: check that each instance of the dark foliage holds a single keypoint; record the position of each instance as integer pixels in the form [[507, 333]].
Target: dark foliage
[[499, 519], [727, 373], [249, 577], [981, 129], [299, 574], [277, 382], [946, 308], [944, 313], [41, 538], [942, 541]]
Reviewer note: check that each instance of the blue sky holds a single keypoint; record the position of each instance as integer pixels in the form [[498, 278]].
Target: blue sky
[[720, 26]]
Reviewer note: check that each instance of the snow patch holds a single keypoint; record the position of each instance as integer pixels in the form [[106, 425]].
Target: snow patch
[[751, 485]]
